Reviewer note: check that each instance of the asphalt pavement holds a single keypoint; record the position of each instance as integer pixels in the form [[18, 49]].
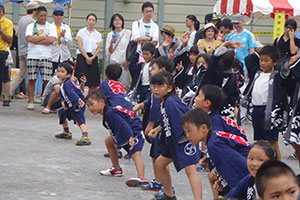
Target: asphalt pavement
[[36, 165]]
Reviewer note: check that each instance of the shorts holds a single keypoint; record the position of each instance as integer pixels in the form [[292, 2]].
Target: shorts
[[183, 154], [70, 114], [54, 106], [6, 75], [34, 66], [156, 148], [138, 145], [258, 123]]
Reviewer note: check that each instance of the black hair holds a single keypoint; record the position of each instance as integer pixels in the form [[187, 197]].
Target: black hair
[[292, 23], [111, 24], [67, 66], [113, 71], [30, 11], [91, 14], [208, 18], [226, 60], [162, 78], [267, 147], [164, 61], [146, 5], [97, 95], [271, 51], [40, 9], [194, 19], [206, 58], [149, 47], [197, 117], [215, 95], [194, 49], [238, 65], [271, 169], [226, 23]]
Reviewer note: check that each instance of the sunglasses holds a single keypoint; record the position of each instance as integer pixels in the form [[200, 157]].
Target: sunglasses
[[58, 14]]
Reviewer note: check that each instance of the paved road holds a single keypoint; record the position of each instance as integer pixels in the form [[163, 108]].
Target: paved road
[[35, 165]]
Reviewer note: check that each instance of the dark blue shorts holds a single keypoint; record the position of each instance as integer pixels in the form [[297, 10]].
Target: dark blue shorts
[[258, 123], [138, 145], [70, 114], [156, 148]]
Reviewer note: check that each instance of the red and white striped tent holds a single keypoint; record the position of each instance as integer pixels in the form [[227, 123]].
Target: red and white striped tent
[[258, 7]]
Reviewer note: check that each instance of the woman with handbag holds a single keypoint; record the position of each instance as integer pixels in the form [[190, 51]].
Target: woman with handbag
[[89, 43], [116, 43]]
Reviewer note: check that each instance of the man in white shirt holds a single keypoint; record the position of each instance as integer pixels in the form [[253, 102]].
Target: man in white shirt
[[60, 49], [40, 35], [145, 30]]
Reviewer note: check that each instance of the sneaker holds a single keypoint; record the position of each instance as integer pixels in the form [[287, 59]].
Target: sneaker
[[30, 106], [37, 101], [166, 197], [83, 141], [153, 185], [5, 103], [292, 156], [64, 135], [112, 172], [161, 193], [134, 182], [120, 155]]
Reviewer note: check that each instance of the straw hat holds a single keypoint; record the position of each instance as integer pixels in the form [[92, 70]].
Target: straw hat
[[168, 29]]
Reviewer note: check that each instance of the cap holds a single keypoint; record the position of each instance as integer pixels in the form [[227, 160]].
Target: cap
[[58, 9], [1, 4], [237, 18], [209, 25], [32, 5], [168, 29], [214, 17]]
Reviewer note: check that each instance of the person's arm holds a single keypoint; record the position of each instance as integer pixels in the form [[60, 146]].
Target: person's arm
[[251, 50], [46, 40], [7, 34], [66, 37], [80, 47], [97, 51], [293, 48], [136, 37]]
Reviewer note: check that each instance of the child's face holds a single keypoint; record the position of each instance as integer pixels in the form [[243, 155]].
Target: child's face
[[201, 61], [95, 106], [155, 69], [266, 63], [160, 91], [282, 187], [194, 134], [148, 56], [193, 58], [62, 74], [256, 158], [171, 54], [200, 102]]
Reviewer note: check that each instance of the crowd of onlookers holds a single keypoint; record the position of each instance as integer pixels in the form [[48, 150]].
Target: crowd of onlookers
[[195, 91]]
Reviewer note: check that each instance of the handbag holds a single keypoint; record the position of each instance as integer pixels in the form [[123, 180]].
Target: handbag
[[131, 48], [3, 55]]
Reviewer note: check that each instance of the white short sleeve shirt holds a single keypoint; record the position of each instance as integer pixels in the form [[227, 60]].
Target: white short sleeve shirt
[[89, 41]]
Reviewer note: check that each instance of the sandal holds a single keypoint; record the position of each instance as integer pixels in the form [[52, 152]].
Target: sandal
[[46, 111]]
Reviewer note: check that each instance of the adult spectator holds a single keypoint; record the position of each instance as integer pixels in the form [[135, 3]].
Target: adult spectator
[[23, 45], [145, 30], [244, 37], [168, 41], [209, 18], [40, 35], [51, 96], [209, 43], [6, 34], [226, 27], [287, 43], [89, 43], [116, 43], [60, 49], [193, 25]]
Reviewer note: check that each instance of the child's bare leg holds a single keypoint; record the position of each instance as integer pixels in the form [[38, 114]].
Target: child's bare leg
[[161, 164], [112, 151], [212, 178], [83, 128], [139, 164], [276, 146], [155, 170], [297, 149], [195, 182]]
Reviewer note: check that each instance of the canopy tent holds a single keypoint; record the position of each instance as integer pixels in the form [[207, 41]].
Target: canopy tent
[[61, 2], [258, 7]]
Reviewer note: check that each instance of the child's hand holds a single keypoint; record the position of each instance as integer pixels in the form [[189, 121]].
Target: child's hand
[[131, 142], [185, 38], [201, 46], [218, 186], [81, 103], [293, 59], [83, 79], [154, 132], [179, 66], [63, 103], [137, 107], [203, 162]]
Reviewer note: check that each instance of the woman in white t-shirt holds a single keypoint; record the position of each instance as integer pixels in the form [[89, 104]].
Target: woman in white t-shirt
[[193, 25], [116, 43], [89, 43]]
